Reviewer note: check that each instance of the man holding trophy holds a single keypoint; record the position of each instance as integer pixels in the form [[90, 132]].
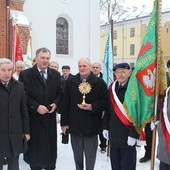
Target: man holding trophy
[[85, 98]]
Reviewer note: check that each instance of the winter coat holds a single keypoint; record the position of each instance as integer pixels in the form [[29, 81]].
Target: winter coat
[[118, 132], [14, 119], [63, 81], [42, 148], [84, 122], [162, 149]]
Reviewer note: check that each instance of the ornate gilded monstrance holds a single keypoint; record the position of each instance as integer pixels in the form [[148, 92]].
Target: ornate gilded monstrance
[[84, 89]]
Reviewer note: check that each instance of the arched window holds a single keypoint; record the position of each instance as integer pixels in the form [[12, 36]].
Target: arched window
[[62, 36]]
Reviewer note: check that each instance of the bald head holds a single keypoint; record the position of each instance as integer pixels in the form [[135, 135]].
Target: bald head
[[96, 68], [19, 66]]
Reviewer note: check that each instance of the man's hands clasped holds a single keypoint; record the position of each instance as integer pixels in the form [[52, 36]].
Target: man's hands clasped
[[44, 110]]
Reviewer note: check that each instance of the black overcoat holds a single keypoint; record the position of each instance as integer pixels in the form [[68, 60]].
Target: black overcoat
[[14, 119], [42, 148], [84, 122], [118, 132]]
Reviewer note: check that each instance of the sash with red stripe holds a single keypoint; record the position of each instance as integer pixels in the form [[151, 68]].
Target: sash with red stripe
[[118, 106], [165, 122], [166, 134]]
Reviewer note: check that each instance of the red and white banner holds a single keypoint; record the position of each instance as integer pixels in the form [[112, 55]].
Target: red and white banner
[[17, 50]]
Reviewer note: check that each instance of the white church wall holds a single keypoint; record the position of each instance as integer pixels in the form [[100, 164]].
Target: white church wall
[[83, 17]]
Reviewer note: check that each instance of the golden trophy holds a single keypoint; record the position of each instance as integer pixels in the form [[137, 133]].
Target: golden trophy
[[84, 89]]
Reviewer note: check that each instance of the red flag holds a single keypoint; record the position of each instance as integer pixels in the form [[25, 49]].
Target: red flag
[[18, 52]]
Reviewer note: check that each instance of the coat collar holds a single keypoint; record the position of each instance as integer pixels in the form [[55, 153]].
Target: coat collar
[[92, 79], [12, 85], [36, 72]]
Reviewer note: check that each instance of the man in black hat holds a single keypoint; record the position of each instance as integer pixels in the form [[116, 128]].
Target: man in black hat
[[65, 74], [116, 125]]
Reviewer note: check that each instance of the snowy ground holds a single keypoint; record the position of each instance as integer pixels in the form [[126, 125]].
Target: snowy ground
[[65, 159]]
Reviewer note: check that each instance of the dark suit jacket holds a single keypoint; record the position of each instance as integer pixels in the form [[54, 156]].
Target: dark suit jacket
[[63, 82], [42, 146]]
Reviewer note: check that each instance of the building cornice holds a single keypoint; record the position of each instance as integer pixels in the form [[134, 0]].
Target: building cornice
[[18, 1]]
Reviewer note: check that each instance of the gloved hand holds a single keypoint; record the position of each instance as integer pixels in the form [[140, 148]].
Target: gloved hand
[[131, 141], [154, 124], [106, 134]]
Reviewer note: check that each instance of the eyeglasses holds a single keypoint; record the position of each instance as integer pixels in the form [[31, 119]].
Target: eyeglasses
[[95, 67]]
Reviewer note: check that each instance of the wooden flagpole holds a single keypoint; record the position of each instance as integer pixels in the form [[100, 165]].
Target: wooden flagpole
[[157, 82], [110, 30], [7, 30]]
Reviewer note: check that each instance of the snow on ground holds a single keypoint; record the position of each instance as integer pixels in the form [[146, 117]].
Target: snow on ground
[[65, 159]]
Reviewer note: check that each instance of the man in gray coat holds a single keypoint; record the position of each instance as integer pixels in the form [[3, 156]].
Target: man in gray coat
[[163, 149], [14, 119], [44, 92]]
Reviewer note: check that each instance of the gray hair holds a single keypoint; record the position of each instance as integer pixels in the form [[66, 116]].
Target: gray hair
[[97, 64], [54, 62], [85, 59], [44, 50], [5, 61]]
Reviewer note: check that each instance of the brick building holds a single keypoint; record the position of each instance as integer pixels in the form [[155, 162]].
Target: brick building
[[12, 11]]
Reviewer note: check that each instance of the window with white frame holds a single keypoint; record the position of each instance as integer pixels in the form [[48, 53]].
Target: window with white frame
[[114, 50], [132, 49], [132, 32], [62, 37]]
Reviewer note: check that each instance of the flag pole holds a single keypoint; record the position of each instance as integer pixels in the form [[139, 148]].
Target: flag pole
[[111, 24], [158, 55], [7, 30], [110, 19]]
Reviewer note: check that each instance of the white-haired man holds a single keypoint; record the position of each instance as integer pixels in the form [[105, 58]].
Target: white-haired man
[[14, 119]]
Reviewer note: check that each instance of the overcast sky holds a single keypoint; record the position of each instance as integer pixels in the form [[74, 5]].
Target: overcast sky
[[137, 3], [128, 5]]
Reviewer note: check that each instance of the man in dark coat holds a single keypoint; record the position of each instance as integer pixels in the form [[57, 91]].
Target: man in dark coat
[[14, 119], [117, 127], [44, 92], [65, 74], [96, 69], [84, 118]]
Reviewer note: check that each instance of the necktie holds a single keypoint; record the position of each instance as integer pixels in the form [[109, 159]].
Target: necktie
[[120, 86], [42, 72], [6, 85]]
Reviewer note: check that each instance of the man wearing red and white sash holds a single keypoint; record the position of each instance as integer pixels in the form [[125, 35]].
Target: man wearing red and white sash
[[117, 127], [163, 149]]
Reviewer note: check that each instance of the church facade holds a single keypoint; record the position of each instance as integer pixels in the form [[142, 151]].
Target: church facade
[[69, 28]]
